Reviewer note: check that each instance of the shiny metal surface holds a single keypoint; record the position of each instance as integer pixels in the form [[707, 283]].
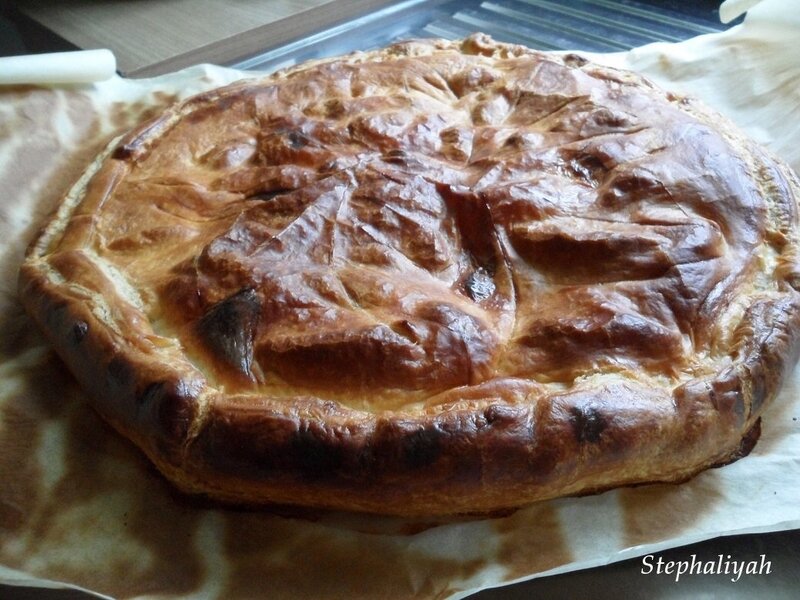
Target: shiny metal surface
[[589, 25]]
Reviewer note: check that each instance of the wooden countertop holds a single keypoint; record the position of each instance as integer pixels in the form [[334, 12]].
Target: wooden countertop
[[151, 37]]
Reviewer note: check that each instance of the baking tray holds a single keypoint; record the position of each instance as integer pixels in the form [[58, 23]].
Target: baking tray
[[587, 25]]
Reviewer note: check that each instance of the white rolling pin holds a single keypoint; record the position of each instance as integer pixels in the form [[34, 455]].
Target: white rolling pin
[[81, 66]]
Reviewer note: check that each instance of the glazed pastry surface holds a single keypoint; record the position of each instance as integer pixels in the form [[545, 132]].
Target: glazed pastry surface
[[442, 277]]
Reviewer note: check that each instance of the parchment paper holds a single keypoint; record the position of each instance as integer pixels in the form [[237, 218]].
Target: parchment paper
[[80, 506]]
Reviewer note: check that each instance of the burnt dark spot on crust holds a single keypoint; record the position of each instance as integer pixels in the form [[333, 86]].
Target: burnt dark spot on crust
[[746, 445], [573, 60], [422, 447], [133, 147], [124, 151], [725, 394], [366, 461], [396, 157], [749, 440], [120, 371], [334, 108], [229, 327], [501, 414], [490, 415], [588, 423], [479, 285], [586, 168], [169, 407], [151, 394], [78, 331], [175, 409], [297, 140], [267, 196], [316, 458]]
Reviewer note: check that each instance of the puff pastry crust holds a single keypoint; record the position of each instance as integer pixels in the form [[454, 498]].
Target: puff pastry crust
[[443, 277]]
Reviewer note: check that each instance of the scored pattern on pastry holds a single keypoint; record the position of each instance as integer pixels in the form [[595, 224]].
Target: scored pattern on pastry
[[439, 278], [436, 221]]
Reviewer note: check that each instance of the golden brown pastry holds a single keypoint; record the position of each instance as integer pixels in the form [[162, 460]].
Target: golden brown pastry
[[444, 277]]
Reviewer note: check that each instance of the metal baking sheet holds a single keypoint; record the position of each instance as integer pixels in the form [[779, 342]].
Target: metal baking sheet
[[586, 25]]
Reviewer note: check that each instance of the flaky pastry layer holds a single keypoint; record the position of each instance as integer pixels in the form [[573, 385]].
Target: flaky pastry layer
[[443, 277]]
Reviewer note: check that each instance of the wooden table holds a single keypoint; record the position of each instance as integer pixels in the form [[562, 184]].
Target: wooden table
[[150, 37]]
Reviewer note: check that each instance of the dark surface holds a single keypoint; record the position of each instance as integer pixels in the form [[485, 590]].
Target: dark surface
[[21, 35], [619, 580]]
